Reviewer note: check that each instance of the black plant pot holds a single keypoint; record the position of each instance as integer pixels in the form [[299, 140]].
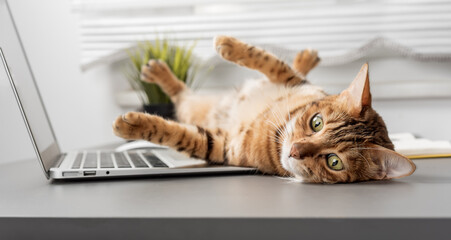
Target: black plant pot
[[165, 110]]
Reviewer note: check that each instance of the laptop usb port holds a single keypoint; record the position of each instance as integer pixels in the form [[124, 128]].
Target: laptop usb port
[[89, 173]]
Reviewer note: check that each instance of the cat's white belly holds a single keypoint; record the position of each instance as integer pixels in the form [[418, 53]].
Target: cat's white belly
[[256, 96]]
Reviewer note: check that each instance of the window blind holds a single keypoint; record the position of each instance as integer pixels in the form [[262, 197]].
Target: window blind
[[336, 28]]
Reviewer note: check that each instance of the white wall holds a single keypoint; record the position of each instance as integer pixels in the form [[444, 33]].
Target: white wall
[[428, 118], [81, 105]]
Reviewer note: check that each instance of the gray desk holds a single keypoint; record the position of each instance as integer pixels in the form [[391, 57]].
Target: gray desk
[[224, 207]]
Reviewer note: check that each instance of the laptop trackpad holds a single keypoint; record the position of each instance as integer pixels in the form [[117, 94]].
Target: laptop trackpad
[[175, 159]]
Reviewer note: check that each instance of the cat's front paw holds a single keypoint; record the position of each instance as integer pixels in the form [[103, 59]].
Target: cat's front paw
[[229, 48], [155, 71], [131, 125]]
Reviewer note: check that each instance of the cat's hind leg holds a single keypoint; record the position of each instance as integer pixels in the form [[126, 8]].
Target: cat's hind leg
[[258, 59], [198, 142], [156, 71], [190, 108], [305, 61]]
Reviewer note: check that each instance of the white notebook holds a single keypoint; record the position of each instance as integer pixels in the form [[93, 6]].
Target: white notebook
[[409, 145]]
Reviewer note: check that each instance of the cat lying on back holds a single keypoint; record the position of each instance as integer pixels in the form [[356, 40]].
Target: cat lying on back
[[282, 125]]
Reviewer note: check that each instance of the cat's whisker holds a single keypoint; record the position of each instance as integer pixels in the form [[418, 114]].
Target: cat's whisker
[[288, 127], [270, 106], [272, 123], [279, 137], [279, 128], [282, 120], [277, 116], [282, 136], [279, 113], [286, 175], [276, 139], [276, 127]]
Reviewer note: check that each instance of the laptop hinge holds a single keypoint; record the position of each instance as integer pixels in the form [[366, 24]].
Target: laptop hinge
[[60, 160]]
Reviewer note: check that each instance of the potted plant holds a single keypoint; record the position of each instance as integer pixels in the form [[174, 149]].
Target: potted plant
[[179, 59]]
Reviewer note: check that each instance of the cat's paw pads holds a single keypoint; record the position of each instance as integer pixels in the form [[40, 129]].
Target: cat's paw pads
[[128, 125], [229, 48], [306, 60], [132, 118], [154, 71]]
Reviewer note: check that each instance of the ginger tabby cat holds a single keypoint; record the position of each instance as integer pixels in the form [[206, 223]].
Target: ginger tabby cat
[[282, 125]]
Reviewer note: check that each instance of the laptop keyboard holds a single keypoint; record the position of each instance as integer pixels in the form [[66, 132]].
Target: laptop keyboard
[[153, 160], [121, 161], [91, 160], [77, 162], [137, 160], [106, 160]]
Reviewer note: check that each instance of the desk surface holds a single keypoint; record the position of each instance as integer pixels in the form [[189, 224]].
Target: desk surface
[[25, 193]]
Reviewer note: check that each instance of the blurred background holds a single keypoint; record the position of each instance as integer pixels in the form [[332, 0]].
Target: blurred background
[[78, 54]]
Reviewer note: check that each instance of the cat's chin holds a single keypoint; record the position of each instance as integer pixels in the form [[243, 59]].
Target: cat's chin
[[297, 170], [292, 166]]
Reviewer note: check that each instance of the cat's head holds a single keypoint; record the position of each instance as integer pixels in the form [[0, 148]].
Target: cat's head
[[340, 138]]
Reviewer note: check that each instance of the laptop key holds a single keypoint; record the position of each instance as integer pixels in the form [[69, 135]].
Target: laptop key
[[121, 161], [137, 160], [77, 162], [106, 161], [90, 160], [154, 160]]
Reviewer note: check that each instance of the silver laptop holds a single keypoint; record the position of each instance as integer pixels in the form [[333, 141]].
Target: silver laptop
[[152, 160]]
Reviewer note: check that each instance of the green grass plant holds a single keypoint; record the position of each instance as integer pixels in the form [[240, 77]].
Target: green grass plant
[[180, 60]]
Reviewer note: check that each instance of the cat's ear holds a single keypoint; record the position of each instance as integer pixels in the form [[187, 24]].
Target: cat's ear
[[357, 95], [394, 165]]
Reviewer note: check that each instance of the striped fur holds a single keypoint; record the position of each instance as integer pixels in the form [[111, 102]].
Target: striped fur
[[257, 125]]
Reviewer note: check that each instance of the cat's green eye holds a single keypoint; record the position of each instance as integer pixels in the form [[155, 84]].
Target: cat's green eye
[[317, 123], [334, 162]]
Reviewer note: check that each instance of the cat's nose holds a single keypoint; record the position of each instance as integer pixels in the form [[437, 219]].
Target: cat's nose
[[301, 150], [294, 153]]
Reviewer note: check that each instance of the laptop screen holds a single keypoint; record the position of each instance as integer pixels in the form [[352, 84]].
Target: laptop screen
[[15, 67]]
